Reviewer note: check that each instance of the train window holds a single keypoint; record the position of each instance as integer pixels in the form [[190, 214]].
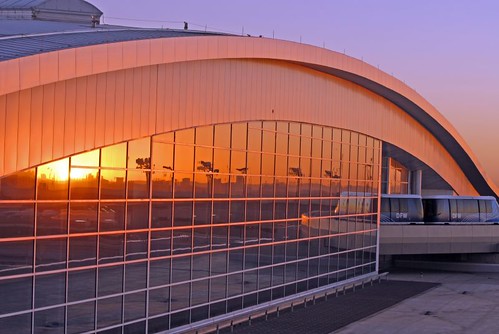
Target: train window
[[485, 210], [467, 210], [485, 206], [415, 210], [455, 213], [468, 206], [436, 210], [395, 208]]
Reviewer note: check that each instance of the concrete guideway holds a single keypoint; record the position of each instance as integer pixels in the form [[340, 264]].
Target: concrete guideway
[[438, 239]]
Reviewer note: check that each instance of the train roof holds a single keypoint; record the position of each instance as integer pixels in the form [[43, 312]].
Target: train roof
[[459, 197], [400, 196]]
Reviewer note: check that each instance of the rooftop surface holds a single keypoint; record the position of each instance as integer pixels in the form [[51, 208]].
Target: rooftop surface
[[21, 38]]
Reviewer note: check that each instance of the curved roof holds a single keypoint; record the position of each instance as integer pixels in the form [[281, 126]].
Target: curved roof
[[315, 58], [22, 46], [61, 5], [20, 4]]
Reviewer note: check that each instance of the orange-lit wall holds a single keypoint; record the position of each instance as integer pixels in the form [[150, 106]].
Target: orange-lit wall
[[57, 104]]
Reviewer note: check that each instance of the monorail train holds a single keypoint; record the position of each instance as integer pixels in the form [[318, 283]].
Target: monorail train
[[401, 209], [460, 209], [413, 209]]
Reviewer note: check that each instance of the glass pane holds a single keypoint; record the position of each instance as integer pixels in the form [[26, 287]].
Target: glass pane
[[112, 184], [52, 318], [180, 296], [87, 159], [81, 285], [239, 132], [110, 280], [114, 156], [161, 215], [159, 301], [237, 211], [162, 152], [202, 237], [222, 135], [50, 254], [221, 159], [135, 306], [16, 257], [185, 136], [294, 145], [200, 266], [181, 269], [268, 144], [16, 295], [238, 163], [82, 251], [204, 158], [282, 143], [83, 217], [139, 154], [81, 317], [203, 185], [182, 241], [183, 185], [202, 213], [50, 289], [204, 136], [159, 272], [138, 184], [109, 311], [160, 243], [137, 216], [52, 218], [135, 276], [219, 238], [200, 292], [136, 246], [110, 248], [16, 220], [112, 216], [183, 214], [254, 140], [84, 183], [162, 184], [53, 180], [20, 185], [254, 163], [221, 186], [220, 212], [184, 158], [17, 324], [238, 186]]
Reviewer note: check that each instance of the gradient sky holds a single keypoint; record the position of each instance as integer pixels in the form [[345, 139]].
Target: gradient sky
[[447, 50]]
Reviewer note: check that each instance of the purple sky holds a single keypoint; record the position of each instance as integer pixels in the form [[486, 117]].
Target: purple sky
[[447, 50]]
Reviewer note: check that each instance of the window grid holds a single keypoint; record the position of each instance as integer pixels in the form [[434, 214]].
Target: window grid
[[312, 225]]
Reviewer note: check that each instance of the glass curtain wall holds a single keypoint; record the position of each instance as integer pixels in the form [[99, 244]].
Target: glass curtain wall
[[156, 233]]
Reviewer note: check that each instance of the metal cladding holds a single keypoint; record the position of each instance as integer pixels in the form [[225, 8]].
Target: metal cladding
[[403, 118]]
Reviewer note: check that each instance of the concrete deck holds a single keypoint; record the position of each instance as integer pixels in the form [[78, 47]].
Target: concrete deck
[[463, 303], [409, 302]]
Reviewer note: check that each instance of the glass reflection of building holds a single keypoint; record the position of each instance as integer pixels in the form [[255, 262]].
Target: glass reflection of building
[[179, 227]]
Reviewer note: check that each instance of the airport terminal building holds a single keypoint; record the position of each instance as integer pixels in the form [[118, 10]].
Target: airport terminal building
[[152, 179]]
